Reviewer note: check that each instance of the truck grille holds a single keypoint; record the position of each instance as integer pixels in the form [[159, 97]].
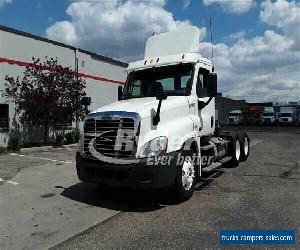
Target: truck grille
[[107, 137]]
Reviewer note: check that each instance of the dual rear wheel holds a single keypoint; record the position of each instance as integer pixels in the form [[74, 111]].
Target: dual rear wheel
[[239, 149]]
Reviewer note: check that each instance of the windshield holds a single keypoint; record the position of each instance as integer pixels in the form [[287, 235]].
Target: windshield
[[268, 114], [286, 115], [175, 80]]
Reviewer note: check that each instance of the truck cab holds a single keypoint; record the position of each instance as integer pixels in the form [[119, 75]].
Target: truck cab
[[235, 117], [288, 116], [269, 116], [161, 132]]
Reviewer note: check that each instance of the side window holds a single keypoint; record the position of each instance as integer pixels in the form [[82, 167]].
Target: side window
[[184, 81], [4, 117], [167, 83], [201, 86], [136, 88]]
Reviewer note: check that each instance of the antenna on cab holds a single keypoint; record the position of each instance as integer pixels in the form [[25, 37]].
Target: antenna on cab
[[211, 42]]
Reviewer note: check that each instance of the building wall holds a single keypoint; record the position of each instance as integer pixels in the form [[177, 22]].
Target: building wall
[[224, 105], [102, 75]]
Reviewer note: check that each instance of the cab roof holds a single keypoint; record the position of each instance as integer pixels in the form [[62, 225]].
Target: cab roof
[[173, 47], [160, 61]]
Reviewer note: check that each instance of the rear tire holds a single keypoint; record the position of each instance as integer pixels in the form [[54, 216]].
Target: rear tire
[[245, 146], [234, 151], [185, 177]]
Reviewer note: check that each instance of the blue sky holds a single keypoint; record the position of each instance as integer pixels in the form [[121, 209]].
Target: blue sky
[[35, 16], [256, 43]]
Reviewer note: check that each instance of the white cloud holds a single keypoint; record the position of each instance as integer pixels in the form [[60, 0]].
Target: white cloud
[[267, 67], [235, 7], [186, 3], [283, 15], [114, 28], [2, 2], [236, 35], [264, 68]]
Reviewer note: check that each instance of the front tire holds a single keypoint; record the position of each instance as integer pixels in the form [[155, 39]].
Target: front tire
[[185, 177]]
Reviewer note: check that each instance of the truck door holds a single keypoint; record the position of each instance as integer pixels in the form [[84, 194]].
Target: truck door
[[206, 114]]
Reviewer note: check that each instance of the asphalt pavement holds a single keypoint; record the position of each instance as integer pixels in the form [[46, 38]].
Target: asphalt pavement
[[42, 203], [262, 193]]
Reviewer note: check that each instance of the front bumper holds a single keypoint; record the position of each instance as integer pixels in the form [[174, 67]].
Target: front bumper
[[285, 121], [138, 176], [268, 121], [233, 122]]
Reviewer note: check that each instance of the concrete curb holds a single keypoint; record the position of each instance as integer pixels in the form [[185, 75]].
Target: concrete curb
[[46, 148]]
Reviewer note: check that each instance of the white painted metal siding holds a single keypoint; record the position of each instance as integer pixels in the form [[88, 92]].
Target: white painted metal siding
[[22, 48]]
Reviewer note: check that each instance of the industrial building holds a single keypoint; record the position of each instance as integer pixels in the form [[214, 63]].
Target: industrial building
[[102, 74], [225, 104]]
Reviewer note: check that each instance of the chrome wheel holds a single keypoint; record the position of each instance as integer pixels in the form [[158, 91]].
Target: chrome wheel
[[188, 173], [246, 146], [237, 150]]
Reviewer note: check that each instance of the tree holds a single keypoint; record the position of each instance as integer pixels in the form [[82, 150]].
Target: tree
[[48, 94]]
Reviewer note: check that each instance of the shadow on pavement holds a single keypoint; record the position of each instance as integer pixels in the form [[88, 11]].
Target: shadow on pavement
[[129, 200], [207, 178], [119, 199]]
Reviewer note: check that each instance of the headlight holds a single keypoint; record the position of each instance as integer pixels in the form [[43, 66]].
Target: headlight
[[155, 147]]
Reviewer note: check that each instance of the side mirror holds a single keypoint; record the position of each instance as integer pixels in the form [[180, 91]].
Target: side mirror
[[212, 85], [161, 95], [120, 93]]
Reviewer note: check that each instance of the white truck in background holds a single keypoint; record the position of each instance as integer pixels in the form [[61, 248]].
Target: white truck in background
[[288, 116], [269, 116], [161, 132], [235, 117]]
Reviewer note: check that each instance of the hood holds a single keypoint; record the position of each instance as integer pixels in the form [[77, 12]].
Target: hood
[[143, 106]]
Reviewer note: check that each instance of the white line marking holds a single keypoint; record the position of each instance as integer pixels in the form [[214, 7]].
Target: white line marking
[[41, 158], [12, 182]]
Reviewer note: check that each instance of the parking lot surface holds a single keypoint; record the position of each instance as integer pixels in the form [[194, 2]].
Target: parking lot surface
[[43, 204], [42, 201]]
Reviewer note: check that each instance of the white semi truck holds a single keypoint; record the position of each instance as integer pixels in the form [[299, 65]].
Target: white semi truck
[[269, 116], [235, 117], [288, 116], [161, 132]]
